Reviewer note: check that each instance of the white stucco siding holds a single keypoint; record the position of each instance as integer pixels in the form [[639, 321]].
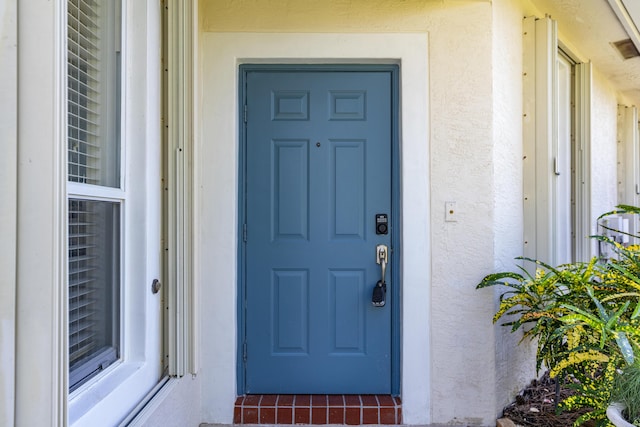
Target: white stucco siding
[[177, 405], [463, 354], [514, 362], [457, 367], [461, 141], [604, 113], [448, 342]]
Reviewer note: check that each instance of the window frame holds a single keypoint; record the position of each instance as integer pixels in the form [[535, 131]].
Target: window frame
[[92, 366], [110, 190], [111, 395], [41, 211], [107, 74]]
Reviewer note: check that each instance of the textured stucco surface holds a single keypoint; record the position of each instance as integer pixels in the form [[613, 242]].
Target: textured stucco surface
[[474, 154], [327, 16], [220, 84], [604, 110], [462, 97], [591, 26], [461, 352], [179, 407], [514, 363]]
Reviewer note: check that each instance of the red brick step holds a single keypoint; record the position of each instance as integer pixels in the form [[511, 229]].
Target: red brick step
[[349, 409]]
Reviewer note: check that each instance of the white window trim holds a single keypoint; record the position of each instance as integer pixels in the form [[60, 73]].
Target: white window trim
[[41, 270], [8, 205], [41, 342]]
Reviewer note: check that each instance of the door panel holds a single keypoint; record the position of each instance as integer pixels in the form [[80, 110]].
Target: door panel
[[318, 170]]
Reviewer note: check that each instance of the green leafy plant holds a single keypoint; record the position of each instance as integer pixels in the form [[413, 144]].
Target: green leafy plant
[[584, 316], [536, 301]]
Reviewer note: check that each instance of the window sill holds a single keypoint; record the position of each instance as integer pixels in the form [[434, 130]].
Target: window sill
[[106, 397]]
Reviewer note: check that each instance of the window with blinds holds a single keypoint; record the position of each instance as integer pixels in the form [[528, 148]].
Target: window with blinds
[[94, 215], [92, 93], [94, 251]]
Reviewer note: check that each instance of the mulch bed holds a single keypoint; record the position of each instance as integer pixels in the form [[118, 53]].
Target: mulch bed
[[535, 406]]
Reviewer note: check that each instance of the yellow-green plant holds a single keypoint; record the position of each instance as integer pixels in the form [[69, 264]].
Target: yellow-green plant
[[584, 316], [537, 301], [601, 338]]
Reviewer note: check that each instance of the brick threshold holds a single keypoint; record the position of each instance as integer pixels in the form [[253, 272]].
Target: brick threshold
[[346, 409]]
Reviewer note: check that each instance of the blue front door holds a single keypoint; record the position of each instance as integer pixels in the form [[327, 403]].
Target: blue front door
[[317, 178]]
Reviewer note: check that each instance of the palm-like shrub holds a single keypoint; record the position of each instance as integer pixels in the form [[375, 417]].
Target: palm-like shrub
[[584, 316]]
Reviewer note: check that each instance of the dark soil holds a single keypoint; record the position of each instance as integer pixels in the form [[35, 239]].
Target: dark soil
[[535, 406]]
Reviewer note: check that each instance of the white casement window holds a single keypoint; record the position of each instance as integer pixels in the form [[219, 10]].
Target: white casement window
[[114, 227], [556, 148]]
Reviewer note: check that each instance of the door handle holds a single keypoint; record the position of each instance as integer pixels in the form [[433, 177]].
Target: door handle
[[382, 258], [379, 297]]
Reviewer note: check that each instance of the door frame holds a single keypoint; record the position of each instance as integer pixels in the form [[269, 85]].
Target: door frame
[[395, 222]]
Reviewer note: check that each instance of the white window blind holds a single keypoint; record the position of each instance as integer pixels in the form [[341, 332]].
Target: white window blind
[[93, 287], [83, 47], [82, 277], [93, 158], [92, 93]]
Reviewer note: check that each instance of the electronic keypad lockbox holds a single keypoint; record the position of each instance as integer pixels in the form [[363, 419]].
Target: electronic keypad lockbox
[[382, 224]]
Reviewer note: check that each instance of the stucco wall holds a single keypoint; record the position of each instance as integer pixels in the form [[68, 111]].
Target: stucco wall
[[604, 114], [462, 350], [460, 341], [217, 238], [328, 16], [458, 368], [178, 405], [474, 153], [514, 362]]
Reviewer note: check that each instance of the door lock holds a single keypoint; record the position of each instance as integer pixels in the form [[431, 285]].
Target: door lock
[[382, 224], [379, 297]]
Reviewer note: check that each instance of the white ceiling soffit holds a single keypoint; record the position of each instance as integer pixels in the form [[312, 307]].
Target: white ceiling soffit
[[591, 27], [628, 12]]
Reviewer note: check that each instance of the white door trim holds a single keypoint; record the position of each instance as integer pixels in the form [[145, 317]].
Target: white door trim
[[216, 166]]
